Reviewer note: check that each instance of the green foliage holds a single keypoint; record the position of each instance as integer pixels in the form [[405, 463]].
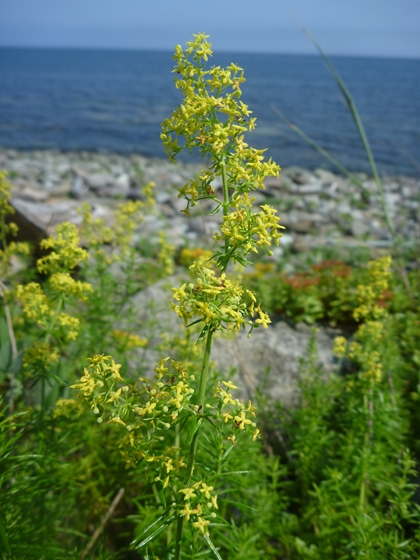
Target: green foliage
[[324, 292], [352, 472]]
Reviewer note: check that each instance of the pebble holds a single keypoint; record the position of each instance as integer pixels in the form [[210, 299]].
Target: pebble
[[318, 207]]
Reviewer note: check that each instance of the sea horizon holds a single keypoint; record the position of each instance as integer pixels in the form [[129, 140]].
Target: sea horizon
[[215, 51], [113, 100]]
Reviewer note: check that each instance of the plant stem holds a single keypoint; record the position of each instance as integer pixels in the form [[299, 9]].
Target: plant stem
[[225, 202], [193, 446], [366, 445]]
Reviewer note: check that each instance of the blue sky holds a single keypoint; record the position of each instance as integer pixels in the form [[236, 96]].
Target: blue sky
[[350, 27]]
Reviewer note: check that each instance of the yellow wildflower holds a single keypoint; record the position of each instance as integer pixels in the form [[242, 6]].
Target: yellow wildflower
[[201, 524], [205, 489], [229, 385], [188, 493]]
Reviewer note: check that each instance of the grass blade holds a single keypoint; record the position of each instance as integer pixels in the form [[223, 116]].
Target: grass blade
[[4, 538], [317, 147], [158, 520], [360, 128], [157, 531]]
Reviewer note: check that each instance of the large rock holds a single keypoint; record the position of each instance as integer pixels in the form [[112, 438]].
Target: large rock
[[271, 359]]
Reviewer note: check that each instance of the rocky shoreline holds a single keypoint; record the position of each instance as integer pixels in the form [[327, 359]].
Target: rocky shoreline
[[317, 207]]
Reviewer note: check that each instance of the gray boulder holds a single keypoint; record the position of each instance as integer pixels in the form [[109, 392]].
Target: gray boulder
[[271, 359]]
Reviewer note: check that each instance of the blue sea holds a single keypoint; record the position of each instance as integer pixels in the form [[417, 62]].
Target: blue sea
[[114, 101]]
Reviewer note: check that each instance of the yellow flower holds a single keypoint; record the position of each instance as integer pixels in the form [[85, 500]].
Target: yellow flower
[[35, 303], [242, 420], [160, 368], [264, 319], [115, 371], [206, 490], [180, 293], [66, 252], [227, 397], [201, 524], [187, 511], [213, 502], [229, 385], [116, 420], [129, 340], [39, 353], [340, 345], [256, 435], [148, 409], [226, 416], [114, 396], [188, 493], [86, 384], [63, 282]]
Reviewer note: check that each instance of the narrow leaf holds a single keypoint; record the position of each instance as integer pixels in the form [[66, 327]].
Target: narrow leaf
[[203, 333], [212, 547], [157, 532], [317, 147], [4, 538], [150, 526], [194, 429]]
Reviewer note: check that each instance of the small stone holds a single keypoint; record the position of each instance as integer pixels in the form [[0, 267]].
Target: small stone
[[359, 228], [33, 195], [392, 199], [300, 244], [303, 226], [123, 182], [100, 181], [315, 188], [406, 191], [62, 189], [162, 197], [78, 188]]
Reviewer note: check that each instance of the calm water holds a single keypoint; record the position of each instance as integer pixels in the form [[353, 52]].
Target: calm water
[[116, 100]]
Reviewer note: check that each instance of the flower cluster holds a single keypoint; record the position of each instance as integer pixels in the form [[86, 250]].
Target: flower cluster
[[236, 413], [200, 505], [64, 283], [37, 356], [8, 228], [370, 294], [67, 408], [144, 412], [165, 254], [5, 194], [45, 307], [66, 252], [366, 349], [219, 302], [117, 237], [213, 119], [243, 231]]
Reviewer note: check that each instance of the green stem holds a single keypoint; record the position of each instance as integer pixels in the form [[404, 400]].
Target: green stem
[[363, 481], [194, 442], [225, 201], [53, 323]]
